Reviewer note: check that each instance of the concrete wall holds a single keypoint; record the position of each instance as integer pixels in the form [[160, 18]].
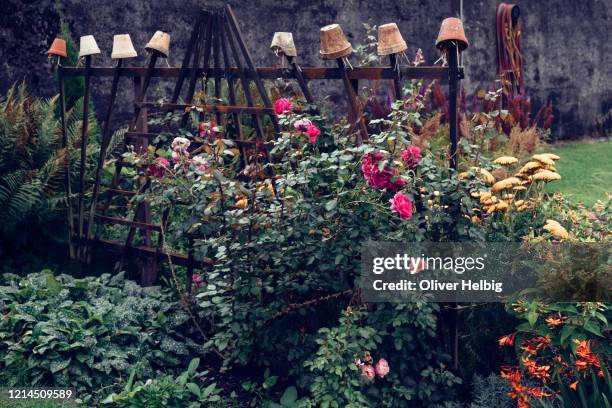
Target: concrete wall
[[565, 42]]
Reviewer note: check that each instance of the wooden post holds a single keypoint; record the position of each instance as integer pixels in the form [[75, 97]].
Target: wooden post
[[103, 146], [67, 177], [297, 71], [145, 85], [353, 101], [84, 141], [195, 36]]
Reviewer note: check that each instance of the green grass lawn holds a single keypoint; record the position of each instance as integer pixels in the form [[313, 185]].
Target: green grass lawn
[[585, 168]]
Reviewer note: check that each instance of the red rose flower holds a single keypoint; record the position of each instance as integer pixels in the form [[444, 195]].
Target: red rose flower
[[313, 133], [412, 156], [402, 205], [282, 105]]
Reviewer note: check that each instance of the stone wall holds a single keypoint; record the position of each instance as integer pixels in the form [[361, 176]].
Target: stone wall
[[565, 42]]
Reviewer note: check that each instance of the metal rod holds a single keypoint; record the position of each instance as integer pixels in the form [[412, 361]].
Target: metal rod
[[453, 85], [84, 141], [103, 146], [396, 79], [67, 176]]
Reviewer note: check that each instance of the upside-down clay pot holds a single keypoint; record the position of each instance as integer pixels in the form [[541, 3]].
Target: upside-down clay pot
[[123, 47], [160, 42], [390, 40], [88, 46], [282, 42], [334, 44], [58, 47], [452, 30]]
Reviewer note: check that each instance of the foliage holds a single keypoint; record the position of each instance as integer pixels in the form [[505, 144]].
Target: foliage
[[563, 351], [394, 332], [168, 391], [32, 166], [87, 333]]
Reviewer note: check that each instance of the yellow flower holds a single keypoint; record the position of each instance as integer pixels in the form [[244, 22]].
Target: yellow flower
[[505, 184], [501, 206], [543, 159], [529, 167], [242, 203], [551, 156], [505, 160], [463, 175], [485, 175], [546, 175], [556, 230]]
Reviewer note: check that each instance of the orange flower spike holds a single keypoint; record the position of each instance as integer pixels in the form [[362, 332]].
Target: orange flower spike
[[507, 340], [574, 385], [538, 392], [553, 321]]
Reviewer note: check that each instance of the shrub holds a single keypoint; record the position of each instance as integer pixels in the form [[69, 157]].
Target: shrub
[[32, 166], [167, 391], [87, 333]]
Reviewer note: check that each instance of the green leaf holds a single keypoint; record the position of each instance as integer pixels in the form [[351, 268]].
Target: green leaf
[[289, 397], [331, 204], [532, 317], [592, 327], [566, 332], [193, 366], [195, 390], [56, 366]]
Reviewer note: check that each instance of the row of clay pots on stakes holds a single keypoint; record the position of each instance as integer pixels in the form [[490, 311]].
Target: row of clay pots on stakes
[[334, 44], [122, 46]]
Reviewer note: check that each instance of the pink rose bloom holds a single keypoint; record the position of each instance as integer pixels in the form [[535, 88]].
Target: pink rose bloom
[[368, 372], [302, 125], [157, 169], [382, 368], [282, 105], [402, 205], [200, 163], [180, 144], [207, 129], [377, 178], [313, 133], [412, 156], [198, 280]]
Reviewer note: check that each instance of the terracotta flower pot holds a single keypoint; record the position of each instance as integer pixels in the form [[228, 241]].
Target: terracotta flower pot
[[334, 44], [160, 42], [88, 46], [282, 42], [452, 30], [58, 47], [390, 40], [123, 47]]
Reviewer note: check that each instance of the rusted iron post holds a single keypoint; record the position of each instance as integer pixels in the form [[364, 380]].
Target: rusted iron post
[[84, 141], [67, 177]]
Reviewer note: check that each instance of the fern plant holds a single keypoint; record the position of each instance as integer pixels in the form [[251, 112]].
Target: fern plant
[[32, 165]]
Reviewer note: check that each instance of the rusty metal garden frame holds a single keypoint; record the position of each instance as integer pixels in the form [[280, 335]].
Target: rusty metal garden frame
[[450, 74]]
